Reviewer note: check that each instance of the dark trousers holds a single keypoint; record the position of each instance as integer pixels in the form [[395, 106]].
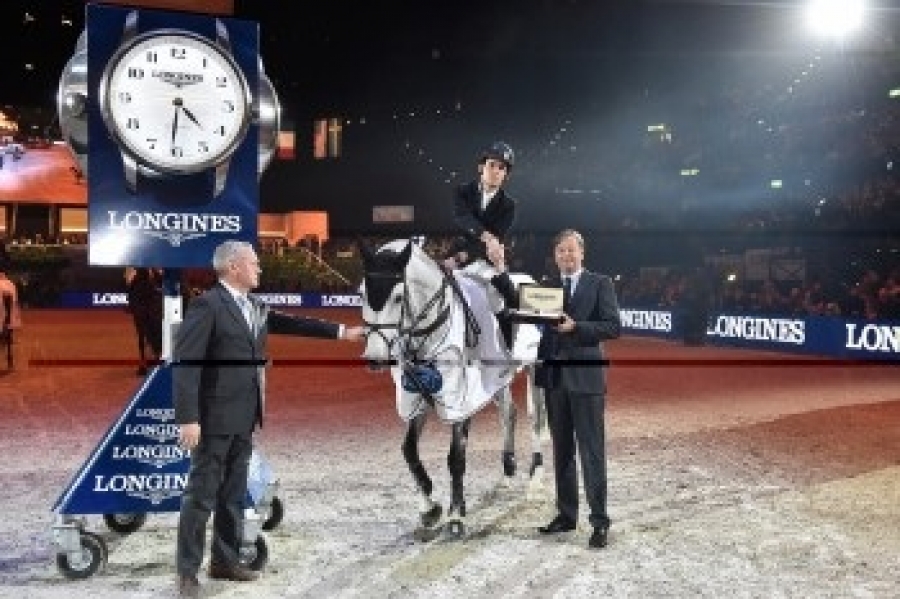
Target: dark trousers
[[217, 483], [149, 332], [578, 419]]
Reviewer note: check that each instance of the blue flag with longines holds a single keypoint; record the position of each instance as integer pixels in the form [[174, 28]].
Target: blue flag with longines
[[138, 467], [173, 152]]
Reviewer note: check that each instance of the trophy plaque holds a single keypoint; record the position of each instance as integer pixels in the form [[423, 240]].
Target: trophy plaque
[[539, 305]]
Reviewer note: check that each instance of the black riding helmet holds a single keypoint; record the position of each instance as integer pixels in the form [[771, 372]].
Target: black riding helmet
[[501, 151]]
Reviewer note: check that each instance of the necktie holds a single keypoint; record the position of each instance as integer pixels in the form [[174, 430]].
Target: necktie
[[246, 309], [567, 292]]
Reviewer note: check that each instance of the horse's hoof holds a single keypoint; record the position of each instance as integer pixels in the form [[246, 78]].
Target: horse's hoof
[[426, 535], [454, 530], [509, 463], [430, 518]]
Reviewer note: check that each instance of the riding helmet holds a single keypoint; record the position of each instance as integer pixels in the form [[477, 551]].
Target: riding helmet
[[501, 151]]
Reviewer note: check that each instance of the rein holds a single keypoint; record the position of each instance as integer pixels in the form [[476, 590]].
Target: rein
[[414, 330], [416, 340], [417, 332]]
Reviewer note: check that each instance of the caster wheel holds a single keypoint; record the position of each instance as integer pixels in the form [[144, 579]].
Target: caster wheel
[[124, 524], [94, 554]]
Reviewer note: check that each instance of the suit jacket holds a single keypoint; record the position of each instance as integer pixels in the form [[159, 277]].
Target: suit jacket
[[218, 374], [145, 296], [595, 310], [469, 217]]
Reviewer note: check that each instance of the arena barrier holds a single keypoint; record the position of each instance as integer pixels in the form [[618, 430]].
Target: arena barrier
[[830, 336]]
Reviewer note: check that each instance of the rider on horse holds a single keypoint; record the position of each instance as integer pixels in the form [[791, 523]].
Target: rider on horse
[[483, 211], [484, 214]]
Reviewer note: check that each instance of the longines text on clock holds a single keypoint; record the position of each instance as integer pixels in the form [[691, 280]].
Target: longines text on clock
[[182, 222]]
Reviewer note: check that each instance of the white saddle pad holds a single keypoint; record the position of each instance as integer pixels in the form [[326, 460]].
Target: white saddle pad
[[471, 376]]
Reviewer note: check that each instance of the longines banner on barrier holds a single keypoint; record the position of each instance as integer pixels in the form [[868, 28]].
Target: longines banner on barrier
[[173, 143]]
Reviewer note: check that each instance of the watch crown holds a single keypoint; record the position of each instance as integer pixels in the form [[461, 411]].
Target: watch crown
[[74, 103]]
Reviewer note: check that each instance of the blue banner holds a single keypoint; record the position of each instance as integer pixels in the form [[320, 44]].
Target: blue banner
[[173, 152], [817, 335], [812, 335], [138, 467]]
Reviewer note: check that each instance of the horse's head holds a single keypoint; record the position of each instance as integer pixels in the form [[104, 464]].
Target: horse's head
[[403, 299], [382, 289]]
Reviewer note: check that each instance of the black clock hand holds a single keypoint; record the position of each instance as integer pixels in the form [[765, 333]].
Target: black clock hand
[[191, 116], [175, 124]]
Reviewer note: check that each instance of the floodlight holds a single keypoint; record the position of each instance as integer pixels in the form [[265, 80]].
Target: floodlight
[[835, 18]]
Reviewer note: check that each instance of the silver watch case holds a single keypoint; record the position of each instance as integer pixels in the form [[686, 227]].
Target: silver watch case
[[72, 99]]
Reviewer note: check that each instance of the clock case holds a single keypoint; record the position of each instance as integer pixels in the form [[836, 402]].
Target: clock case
[[72, 101]]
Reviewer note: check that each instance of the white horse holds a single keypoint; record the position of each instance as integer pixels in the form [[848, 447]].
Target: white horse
[[443, 344]]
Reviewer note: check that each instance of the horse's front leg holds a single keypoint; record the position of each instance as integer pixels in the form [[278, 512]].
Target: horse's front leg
[[537, 413], [430, 510], [456, 462], [507, 411]]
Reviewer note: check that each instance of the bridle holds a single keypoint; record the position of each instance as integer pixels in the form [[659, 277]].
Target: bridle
[[419, 339], [412, 329]]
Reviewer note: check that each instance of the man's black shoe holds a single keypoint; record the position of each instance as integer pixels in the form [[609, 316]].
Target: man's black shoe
[[188, 586], [557, 525], [599, 537], [236, 572]]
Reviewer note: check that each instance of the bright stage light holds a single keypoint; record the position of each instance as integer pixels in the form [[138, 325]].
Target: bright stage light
[[835, 18]]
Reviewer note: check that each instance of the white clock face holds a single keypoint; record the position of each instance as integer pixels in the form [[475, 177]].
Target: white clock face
[[175, 101]]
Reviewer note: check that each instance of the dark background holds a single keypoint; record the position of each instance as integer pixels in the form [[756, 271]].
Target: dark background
[[422, 87]]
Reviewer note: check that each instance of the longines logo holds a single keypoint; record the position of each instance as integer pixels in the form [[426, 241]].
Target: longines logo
[[337, 301], [154, 488], [648, 320], [152, 455], [158, 414], [778, 330], [174, 227], [178, 79], [873, 337]]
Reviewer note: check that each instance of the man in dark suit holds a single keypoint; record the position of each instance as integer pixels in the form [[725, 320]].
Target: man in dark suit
[[145, 303], [482, 210], [574, 379], [218, 387]]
